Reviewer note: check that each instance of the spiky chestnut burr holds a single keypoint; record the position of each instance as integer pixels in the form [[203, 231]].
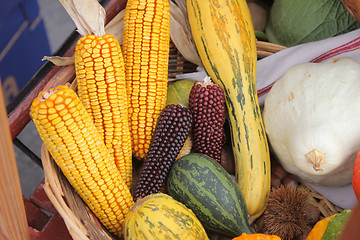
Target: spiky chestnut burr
[[207, 104], [286, 214]]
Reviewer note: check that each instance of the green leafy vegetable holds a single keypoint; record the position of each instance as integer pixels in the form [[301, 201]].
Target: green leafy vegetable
[[178, 92], [293, 22]]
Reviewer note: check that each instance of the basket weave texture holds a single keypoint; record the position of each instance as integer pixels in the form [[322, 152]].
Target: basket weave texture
[[81, 222]]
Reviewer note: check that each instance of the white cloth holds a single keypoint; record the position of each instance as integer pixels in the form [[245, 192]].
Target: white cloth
[[271, 68]]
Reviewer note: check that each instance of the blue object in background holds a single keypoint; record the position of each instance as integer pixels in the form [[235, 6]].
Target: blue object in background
[[23, 43]]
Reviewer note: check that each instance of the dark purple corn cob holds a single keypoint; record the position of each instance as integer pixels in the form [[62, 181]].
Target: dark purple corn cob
[[207, 104], [172, 128]]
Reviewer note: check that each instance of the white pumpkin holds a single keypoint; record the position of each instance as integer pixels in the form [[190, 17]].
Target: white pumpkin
[[312, 119]]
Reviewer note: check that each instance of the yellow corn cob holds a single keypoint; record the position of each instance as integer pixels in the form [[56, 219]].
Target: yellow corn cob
[[100, 73], [77, 148], [146, 54]]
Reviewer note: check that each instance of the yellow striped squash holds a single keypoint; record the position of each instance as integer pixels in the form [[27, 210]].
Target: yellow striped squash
[[224, 37]]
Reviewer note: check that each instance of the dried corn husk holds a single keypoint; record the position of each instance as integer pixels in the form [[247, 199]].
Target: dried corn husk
[[59, 61], [180, 32], [179, 27], [89, 18], [116, 26]]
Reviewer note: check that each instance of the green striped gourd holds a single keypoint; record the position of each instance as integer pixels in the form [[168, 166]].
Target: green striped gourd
[[204, 186]]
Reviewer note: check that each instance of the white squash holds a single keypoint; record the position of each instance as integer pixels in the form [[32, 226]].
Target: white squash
[[312, 119]]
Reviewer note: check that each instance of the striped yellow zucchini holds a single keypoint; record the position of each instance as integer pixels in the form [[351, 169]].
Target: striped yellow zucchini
[[77, 148], [100, 73], [224, 37], [146, 40]]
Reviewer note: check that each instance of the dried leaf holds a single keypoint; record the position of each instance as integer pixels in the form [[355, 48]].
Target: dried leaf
[[182, 6], [59, 61], [116, 26], [88, 16], [181, 35]]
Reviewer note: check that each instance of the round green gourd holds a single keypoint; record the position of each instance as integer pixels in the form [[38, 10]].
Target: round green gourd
[[204, 186], [159, 216], [178, 92]]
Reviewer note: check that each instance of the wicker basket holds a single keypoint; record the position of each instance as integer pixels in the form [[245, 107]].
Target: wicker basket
[[81, 222]]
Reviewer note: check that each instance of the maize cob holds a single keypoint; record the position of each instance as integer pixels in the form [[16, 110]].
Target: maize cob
[[172, 129], [77, 148], [100, 73], [207, 104], [146, 40]]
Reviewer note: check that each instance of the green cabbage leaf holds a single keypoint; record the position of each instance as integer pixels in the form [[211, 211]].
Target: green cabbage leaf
[[294, 22]]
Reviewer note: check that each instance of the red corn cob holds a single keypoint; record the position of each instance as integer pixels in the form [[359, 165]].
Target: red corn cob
[[207, 104]]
